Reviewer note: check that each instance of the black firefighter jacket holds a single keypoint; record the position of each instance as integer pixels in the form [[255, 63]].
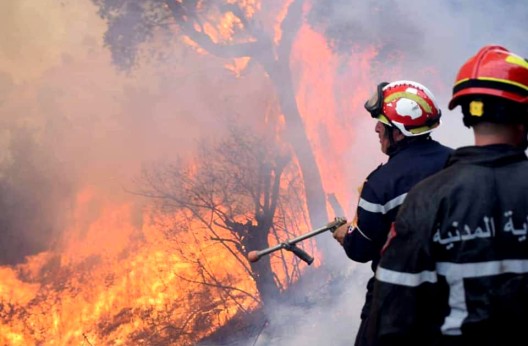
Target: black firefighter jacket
[[455, 269], [382, 194]]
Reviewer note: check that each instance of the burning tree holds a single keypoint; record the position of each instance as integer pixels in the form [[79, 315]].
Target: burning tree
[[228, 29], [240, 191]]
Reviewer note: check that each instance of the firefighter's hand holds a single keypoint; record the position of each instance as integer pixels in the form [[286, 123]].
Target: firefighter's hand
[[340, 233]]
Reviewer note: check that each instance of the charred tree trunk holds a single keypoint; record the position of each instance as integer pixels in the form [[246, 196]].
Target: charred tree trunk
[[278, 68], [264, 278], [315, 195], [256, 237], [275, 60]]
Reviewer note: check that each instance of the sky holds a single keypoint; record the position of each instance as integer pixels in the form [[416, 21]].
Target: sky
[[96, 126]]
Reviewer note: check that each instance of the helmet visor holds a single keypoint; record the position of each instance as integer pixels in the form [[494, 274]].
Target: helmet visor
[[374, 104]]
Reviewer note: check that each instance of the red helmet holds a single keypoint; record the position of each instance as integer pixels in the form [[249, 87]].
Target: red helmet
[[493, 71], [407, 105]]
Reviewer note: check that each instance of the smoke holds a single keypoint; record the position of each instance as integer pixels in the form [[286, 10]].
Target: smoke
[[320, 313], [70, 119], [429, 40]]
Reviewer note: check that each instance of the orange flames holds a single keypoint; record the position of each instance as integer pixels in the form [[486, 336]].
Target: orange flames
[[109, 285], [115, 279], [331, 105]]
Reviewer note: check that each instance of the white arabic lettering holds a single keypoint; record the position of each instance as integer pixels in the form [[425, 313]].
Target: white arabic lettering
[[509, 227], [488, 231], [466, 234]]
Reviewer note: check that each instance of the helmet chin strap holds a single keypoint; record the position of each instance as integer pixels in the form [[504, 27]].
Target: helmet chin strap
[[524, 144], [394, 146], [389, 132]]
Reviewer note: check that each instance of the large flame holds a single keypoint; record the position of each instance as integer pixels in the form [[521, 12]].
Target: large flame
[[111, 281], [331, 104], [115, 279]]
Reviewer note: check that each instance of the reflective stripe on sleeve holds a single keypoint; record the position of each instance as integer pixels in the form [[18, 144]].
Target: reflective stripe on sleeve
[[405, 279], [382, 208], [479, 269], [455, 273]]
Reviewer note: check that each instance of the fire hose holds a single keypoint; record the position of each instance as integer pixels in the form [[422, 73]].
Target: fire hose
[[289, 245]]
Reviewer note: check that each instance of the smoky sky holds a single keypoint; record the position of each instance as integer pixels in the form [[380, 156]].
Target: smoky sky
[[438, 34], [428, 40], [71, 121]]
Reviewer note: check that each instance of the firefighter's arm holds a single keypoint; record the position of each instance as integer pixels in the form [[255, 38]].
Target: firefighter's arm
[[358, 246], [340, 232]]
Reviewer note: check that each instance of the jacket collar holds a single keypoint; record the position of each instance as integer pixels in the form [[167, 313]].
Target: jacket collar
[[487, 155], [408, 142]]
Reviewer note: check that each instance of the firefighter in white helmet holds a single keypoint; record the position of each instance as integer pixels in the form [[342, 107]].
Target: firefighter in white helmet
[[406, 113]]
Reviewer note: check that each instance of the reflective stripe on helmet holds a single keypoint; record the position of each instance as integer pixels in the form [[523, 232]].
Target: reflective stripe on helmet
[[416, 131], [382, 118], [492, 83], [410, 96]]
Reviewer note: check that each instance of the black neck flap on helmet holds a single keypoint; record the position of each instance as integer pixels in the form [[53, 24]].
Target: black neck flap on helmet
[[479, 108]]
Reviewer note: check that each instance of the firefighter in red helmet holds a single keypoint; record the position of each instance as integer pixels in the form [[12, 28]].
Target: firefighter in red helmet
[[455, 271], [406, 114]]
